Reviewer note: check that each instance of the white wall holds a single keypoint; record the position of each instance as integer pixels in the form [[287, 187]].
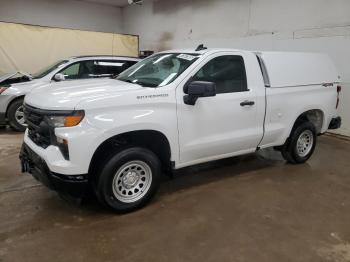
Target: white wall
[[63, 13], [302, 25], [312, 25]]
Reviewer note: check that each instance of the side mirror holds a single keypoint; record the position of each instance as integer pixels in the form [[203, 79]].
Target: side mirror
[[199, 89], [59, 77]]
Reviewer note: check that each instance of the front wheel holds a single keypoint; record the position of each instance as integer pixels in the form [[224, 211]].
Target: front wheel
[[15, 116], [301, 144], [129, 179]]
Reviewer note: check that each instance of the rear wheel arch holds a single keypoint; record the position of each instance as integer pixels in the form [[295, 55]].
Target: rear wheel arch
[[301, 143], [314, 116], [312, 119]]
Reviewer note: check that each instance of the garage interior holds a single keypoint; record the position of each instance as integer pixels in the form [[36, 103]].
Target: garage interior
[[247, 208]]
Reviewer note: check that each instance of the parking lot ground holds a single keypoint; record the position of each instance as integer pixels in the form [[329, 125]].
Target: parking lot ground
[[249, 208]]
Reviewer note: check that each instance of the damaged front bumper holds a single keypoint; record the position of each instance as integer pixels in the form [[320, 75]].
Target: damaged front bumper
[[73, 185]]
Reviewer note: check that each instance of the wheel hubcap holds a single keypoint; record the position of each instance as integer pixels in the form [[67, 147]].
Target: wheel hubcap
[[305, 143], [132, 181], [19, 115]]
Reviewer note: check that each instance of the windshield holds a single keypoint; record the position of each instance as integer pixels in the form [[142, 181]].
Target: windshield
[[48, 69], [158, 70]]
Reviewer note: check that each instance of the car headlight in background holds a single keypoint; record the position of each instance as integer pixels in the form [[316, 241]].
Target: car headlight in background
[[66, 120], [3, 88]]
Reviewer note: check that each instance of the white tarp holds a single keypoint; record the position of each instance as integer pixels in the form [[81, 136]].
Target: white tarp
[[30, 48]]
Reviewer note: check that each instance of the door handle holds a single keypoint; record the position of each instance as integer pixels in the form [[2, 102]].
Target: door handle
[[247, 103]]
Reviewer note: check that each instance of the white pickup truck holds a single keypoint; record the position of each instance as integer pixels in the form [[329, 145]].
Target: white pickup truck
[[172, 110]]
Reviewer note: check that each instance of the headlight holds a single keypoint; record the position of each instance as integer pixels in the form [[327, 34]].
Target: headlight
[[66, 120]]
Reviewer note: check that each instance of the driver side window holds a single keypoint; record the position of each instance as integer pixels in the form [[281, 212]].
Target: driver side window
[[72, 71], [227, 72], [79, 70]]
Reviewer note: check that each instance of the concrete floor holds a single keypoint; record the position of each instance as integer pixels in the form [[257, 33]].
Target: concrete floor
[[251, 208]]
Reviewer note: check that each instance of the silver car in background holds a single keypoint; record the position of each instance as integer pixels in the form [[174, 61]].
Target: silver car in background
[[14, 86]]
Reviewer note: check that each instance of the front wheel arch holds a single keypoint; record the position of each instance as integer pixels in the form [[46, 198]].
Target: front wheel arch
[[15, 99], [16, 121], [153, 140], [126, 198]]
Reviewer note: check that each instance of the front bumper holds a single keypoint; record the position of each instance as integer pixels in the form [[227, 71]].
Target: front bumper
[[73, 185], [335, 123]]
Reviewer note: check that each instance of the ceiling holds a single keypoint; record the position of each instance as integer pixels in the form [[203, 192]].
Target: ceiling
[[119, 3]]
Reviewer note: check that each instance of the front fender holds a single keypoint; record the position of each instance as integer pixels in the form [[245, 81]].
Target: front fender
[[103, 124]]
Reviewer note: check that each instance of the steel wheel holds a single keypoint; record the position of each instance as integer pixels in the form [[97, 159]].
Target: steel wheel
[[305, 143], [19, 116], [132, 181]]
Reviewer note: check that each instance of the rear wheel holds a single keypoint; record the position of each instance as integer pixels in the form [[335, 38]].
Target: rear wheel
[[301, 144], [129, 179], [15, 116]]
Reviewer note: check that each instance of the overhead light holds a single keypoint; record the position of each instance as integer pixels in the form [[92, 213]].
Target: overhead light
[[135, 2]]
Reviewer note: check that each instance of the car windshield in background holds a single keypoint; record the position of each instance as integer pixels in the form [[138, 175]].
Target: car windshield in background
[[48, 69], [158, 70]]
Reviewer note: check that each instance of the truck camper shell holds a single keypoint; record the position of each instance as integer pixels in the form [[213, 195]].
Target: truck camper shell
[[288, 69]]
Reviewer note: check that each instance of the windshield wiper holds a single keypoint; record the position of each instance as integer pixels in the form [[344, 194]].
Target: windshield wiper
[[131, 82], [125, 80], [139, 83]]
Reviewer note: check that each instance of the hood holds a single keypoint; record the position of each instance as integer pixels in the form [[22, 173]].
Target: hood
[[5, 77], [19, 89], [66, 95]]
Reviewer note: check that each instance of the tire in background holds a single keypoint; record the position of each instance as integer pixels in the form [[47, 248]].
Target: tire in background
[[15, 115]]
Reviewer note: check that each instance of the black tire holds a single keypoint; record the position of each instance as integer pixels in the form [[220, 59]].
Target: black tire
[[11, 115], [111, 195], [290, 150]]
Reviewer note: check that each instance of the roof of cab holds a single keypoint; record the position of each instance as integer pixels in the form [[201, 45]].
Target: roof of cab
[[86, 57], [201, 52]]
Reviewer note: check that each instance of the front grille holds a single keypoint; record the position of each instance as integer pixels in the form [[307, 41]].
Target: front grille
[[38, 129]]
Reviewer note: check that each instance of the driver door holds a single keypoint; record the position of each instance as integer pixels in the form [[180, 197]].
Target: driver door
[[219, 126]]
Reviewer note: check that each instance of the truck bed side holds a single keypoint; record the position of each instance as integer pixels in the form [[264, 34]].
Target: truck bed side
[[297, 84]]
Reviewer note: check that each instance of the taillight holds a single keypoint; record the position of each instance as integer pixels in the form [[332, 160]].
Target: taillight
[[338, 93]]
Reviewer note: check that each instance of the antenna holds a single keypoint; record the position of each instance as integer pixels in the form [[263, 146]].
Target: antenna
[[201, 47], [135, 2]]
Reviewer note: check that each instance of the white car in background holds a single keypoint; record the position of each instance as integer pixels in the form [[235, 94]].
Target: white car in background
[[14, 86]]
